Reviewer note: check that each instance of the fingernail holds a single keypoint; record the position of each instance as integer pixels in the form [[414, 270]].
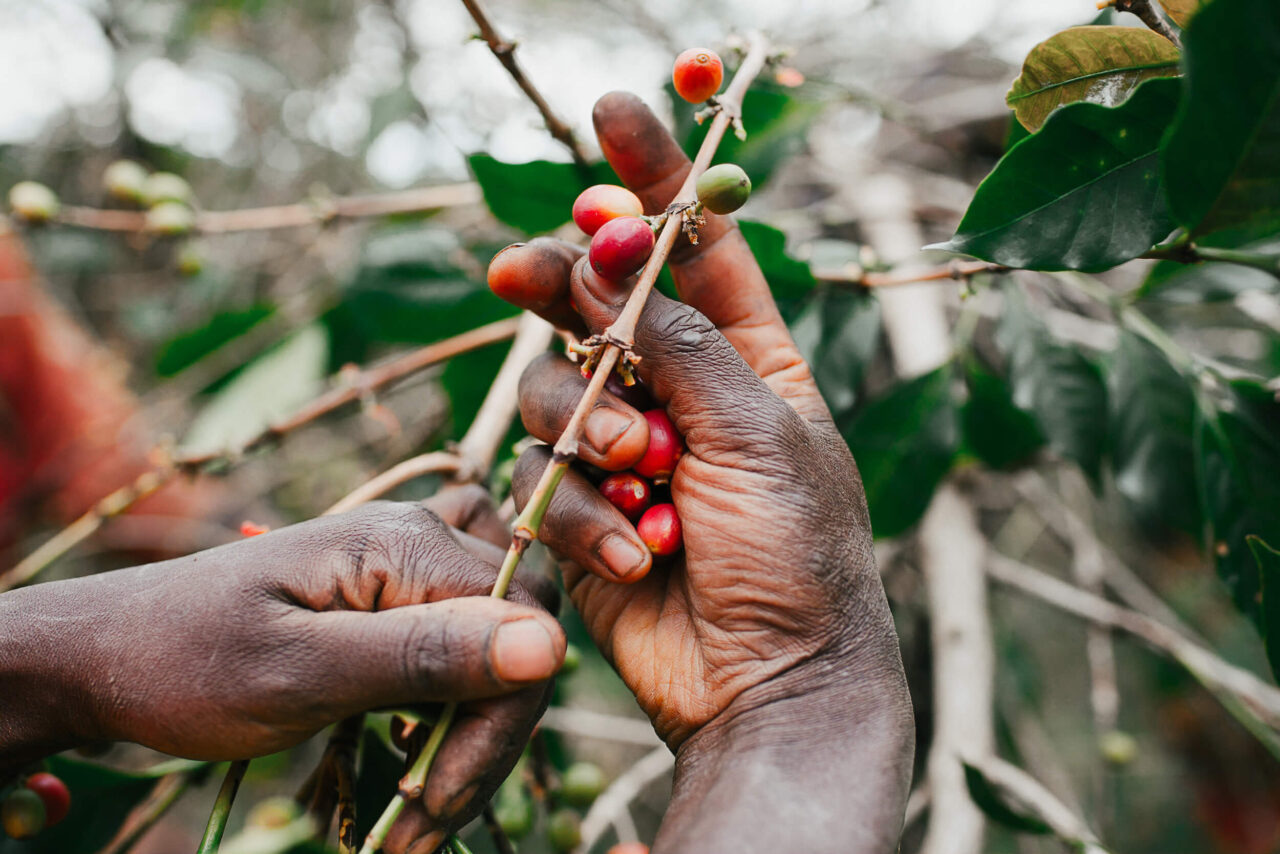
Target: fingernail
[[523, 651], [622, 556], [604, 427]]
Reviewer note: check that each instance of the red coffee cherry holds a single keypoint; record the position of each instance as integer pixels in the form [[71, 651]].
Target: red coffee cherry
[[665, 447], [629, 848], [597, 205], [660, 529], [621, 247], [253, 529], [54, 793], [628, 492], [697, 74], [22, 814]]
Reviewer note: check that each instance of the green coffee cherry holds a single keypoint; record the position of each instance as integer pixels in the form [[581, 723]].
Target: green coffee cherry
[[1118, 747], [564, 830], [125, 180], [723, 189], [572, 660], [22, 814], [166, 187], [33, 202], [582, 783], [514, 816], [273, 813], [190, 260], [170, 219]]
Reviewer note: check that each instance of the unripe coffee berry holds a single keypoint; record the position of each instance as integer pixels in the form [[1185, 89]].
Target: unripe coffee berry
[[33, 202], [273, 813], [697, 74], [166, 187], [572, 659], [54, 793], [582, 783], [660, 529], [665, 447], [604, 202], [723, 189], [22, 814], [125, 180], [627, 491], [170, 219], [514, 816], [621, 247], [564, 830]]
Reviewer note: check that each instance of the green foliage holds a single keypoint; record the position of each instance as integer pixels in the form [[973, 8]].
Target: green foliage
[[1000, 806], [1056, 384], [1098, 64], [534, 197], [904, 442], [837, 332], [789, 279], [187, 348], [1083, 193], [994, 428], [1268, 560], [1220, 160]]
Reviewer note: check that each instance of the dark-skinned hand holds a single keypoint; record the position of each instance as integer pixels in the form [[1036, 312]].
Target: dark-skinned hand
[[254, 647], [775, 603]]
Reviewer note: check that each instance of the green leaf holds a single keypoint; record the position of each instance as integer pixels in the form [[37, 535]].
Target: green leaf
[[534, 197], [1100, 65], [1084, 193], [1268, 560], [1151, 425], [788, 278], [269, 389], [1221, 161], [904, 443], [187, 348], [776, 122], [1237, 458], [1056, 384], [1180, 11], [1000, 806], [837, 332], [995, 430]]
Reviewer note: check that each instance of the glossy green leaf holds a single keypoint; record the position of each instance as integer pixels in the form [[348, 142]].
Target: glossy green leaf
[[1180, 11], [837, 332], [1056, 384], [534, 197], [1083, 193], [1000, 806], [1268, 560], [1100, 65], [995, 430], [187, 348], [1237, 458], [1152, 412], [904, 443], [1221, 162]]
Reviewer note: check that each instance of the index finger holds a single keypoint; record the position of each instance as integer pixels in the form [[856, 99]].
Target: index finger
[[719, 276]]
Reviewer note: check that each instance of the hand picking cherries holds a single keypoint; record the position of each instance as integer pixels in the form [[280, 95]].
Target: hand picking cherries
[[41, 801]]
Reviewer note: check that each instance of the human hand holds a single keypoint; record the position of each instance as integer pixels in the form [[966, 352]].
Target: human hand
[[253, 647]]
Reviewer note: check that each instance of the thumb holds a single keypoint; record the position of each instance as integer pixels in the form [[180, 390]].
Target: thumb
[[714, 397], [455, 649]]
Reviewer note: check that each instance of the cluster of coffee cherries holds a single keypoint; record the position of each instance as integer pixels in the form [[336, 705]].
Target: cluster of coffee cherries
[[166, 196], [38, 801]]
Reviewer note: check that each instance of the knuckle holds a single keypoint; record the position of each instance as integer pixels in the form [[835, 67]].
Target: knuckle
[[676, 328], [527, 471]]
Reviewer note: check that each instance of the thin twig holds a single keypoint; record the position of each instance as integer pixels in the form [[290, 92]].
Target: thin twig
[[505, 51], [1149, 15], [588, 724], [313, 212], [496, 833], [350, 390], [217, 823], [433, 462], [622, 331], [613, 806], [855, 277], [1030, 792], [166, 792]]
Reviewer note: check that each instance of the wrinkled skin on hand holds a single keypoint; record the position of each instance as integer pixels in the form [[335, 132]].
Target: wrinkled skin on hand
[[254, 647], [776, 592]]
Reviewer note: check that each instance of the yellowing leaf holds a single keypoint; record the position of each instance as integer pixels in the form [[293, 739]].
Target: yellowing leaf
[[1181, 10], [1101, 65]]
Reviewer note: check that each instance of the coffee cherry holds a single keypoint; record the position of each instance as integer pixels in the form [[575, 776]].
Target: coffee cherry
[[665, 447], [582, 783], [33, 202], [514, 816], [54, 793], [253, 529], [170, 219], [572, 659], [125, 180], [628, 492], [22, 814], [629, 848], [621, 247], [273, 813], [697, 74], [1118, 747], [564, 830], [597, 205], [660, 529], [190, 261], [166, 187], [723, 189]]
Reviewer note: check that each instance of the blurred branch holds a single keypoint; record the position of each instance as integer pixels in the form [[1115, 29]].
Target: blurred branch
[[1149, 15], [505, 51], [613, 807], [312, 212], [855, 277], [1029, 792], [588, 724], [351, 388], [1252, 701], [499, 836], [166, 792]]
